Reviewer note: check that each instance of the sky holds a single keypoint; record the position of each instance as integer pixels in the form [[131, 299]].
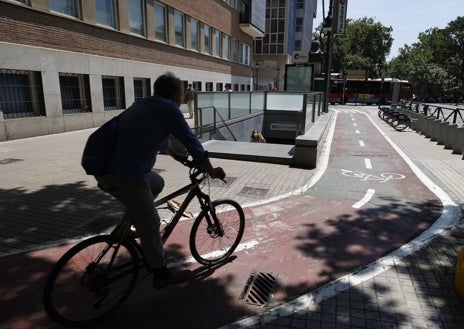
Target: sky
[[408, 18]]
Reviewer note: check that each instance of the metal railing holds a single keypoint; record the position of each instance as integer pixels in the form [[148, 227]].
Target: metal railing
[[216, 114], [450, 114], [282, 110]]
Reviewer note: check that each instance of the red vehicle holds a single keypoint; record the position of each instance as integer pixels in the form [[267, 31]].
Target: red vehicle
[[368, 91]]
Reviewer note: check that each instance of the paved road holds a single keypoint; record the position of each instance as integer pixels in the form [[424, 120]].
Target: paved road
[[303, 230]]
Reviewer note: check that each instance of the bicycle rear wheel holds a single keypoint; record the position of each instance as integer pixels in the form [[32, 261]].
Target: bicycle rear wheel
[[90, 281], [211, 244]]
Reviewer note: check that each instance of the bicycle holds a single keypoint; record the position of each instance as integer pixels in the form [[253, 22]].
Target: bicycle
[[399, 121], [93, 278]]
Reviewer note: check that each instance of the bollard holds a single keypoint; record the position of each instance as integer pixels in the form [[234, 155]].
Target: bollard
[[419, 123], [442, 133], [450, 136], [458, 145], [435, 130], [459, 275], [429, 127]]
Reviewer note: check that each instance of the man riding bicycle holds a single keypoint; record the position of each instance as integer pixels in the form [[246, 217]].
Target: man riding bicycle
[[143, 131]]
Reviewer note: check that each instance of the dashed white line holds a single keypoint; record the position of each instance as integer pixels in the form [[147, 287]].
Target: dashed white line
[[367, 197], [361, 143], [357, 131]]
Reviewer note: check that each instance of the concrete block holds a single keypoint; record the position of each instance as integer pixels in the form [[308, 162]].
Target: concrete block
[[450, 136], [442, 133], [428, 126], [458, 145], [435, 130], [308, 146], [421, 122]]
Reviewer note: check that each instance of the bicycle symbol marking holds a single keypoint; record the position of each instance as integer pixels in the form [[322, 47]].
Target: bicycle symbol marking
[[382, 178]]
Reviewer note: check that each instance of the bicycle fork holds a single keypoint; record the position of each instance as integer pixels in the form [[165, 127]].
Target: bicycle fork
[[214, 228]]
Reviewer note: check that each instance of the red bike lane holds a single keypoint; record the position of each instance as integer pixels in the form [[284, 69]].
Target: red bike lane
[[303, 241]]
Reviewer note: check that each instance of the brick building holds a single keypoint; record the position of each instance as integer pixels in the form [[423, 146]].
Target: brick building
[[72, 64]]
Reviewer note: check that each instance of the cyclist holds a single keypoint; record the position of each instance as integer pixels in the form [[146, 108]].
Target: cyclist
[[143, 131]]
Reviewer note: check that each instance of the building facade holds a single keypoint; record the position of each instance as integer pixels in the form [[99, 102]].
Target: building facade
[[73, 64], [289, 26]]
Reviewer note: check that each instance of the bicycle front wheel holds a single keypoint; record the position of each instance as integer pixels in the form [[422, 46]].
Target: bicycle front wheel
[[211, 244], [90, 281]]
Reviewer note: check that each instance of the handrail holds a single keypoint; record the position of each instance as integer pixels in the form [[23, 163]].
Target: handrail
[[200, 110]]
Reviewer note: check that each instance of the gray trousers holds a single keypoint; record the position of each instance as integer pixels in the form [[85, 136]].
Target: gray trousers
[[138, 203]]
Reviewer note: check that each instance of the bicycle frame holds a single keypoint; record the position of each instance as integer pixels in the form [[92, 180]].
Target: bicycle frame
[[193, 190]]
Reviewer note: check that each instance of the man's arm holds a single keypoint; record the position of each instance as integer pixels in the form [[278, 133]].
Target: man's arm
[[206, 166]]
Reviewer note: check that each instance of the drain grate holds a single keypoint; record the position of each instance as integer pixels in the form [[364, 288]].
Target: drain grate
[[258, 288], [9, 160]]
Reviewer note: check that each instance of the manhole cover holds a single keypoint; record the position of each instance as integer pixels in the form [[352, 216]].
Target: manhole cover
[[258, 288], [10, 160], [253, 191]]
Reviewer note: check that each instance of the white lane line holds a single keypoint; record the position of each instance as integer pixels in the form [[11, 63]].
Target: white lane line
[[361, 143], [368, 163], [367, 197], [242, 246], [357, 131], [355, 124]]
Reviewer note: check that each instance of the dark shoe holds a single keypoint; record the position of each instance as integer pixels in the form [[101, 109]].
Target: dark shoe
[[169, 276]]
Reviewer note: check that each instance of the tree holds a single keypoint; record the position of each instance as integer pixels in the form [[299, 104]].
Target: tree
[[364, 45], [435, 64]]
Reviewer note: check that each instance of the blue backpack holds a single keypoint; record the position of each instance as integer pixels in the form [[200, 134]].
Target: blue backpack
[[98, 151]]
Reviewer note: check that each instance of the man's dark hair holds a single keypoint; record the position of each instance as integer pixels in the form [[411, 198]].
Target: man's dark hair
[[167, 85]]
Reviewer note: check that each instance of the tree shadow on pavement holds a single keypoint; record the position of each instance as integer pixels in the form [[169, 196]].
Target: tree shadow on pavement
[[418, 292], [53, 214], [47, 219]]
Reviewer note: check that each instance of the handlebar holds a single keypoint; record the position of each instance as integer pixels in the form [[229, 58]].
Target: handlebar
[[195, 171]]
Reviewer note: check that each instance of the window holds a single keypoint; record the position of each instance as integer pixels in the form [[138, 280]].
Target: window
[[218, 43], [113, 93], [194, 35], [226, 46], [236, 51], [67, 7], [179, 28], [105, 11], [245, 54], [208, 86], [196, 85], [137, 17], [21, 94], [75, 93], [160, 22], [141, 88], [297, 44], [207, 38]]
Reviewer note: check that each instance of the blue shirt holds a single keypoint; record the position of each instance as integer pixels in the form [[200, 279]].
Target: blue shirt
[[144, 129]]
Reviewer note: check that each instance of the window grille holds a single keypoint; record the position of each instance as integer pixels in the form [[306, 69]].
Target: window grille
[[21, 94], [141, 88], [75, 93], [113, 93]]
